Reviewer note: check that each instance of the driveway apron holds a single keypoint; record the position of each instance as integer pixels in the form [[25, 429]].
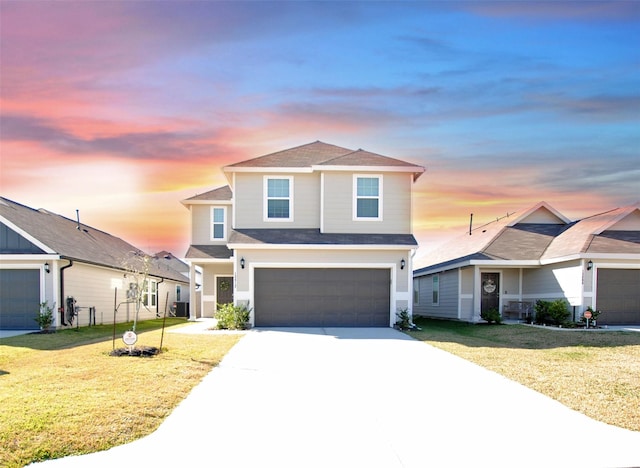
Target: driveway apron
[[365, 397]]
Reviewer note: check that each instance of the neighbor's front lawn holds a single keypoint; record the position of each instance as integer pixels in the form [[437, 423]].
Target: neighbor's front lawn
[[63, 394], [596, 373]]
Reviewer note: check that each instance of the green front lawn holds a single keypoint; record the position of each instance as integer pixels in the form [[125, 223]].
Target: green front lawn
[[63, 394], [596, 373]]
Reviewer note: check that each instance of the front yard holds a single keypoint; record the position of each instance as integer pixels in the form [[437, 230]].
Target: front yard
[[63, 394], [596, 373]]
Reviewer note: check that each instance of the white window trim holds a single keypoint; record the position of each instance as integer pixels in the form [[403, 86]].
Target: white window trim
[[355, 196], [435, 303], [265, 207], [224, 223]]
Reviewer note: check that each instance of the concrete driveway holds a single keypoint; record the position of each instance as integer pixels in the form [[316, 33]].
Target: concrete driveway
[[365, 398]]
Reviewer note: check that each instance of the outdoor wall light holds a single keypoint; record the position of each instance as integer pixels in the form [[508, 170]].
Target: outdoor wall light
[[242, 263], [46, 267], [402, 264], [589, 265]]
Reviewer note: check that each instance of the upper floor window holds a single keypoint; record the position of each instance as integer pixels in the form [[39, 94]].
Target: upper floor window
[[368, 197], [217, 223], [278, 198]]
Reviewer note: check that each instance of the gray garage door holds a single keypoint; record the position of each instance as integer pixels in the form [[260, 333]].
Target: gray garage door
[[322, 297], [619, 296], [19, 299]]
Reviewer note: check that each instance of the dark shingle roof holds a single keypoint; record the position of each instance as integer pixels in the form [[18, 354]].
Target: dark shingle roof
[[220, 193], [220, 252], [81, 242], [324, 154], [314, 237]]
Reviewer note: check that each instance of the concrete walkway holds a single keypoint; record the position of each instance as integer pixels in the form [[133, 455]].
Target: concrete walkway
[[365, 398]]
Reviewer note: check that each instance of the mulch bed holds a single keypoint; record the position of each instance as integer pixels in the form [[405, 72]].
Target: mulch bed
[[143, 351]]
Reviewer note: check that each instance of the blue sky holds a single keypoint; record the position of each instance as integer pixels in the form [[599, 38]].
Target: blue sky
[[122, 109]]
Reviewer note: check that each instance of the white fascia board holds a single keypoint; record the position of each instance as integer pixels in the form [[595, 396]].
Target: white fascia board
[[592, 256], [410, 169], [28, 257], [480, 263], [206, 202], [26, 235], [300, 170], [192, 260], [318, 247]]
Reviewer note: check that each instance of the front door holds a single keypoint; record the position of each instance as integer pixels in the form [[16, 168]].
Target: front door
[[490, 292], [224, 289]]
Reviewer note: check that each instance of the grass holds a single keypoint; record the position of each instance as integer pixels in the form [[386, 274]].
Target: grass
[[596, 373], [63, 394]]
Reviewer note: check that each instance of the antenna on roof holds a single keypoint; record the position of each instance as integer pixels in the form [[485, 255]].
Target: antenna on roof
[[470, 223], [78, 218]]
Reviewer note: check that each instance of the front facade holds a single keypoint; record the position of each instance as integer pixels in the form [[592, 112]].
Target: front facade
[[316, 235], [539, 254], [86, 275]]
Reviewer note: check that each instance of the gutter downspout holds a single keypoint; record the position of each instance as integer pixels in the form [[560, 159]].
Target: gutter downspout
[[61, 308]]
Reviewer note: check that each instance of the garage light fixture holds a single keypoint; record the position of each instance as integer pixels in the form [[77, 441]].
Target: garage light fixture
[[589, 265], [242, 263], [402, 264], [46, 267]]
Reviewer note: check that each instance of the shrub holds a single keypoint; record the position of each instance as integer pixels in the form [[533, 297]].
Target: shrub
[[542, 312], [404, 320], [558, 312], [45, 315], [232, 317], [551, 312], [491, 316]]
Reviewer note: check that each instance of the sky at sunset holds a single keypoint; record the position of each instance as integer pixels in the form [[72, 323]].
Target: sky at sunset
[[122, 109]]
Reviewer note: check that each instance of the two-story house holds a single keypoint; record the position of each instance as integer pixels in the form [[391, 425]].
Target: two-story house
[[316, 235]]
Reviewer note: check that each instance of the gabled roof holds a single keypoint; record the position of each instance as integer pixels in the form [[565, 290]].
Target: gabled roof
[[79, 242], [612, 232], [539, 235], [218, 194], [324, 156]]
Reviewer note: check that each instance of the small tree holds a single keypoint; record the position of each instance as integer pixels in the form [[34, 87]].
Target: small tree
[[45, 315], [137, 266]]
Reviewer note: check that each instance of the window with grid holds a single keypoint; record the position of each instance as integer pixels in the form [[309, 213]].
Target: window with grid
[[368, 197], [278, 198], [217, 223]]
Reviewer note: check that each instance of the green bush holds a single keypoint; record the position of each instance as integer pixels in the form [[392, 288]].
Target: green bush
[[542, 312], [558, 312], [231, 317], [491, 316], [551, 312]]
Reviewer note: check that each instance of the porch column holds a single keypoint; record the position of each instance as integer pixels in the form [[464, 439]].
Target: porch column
[[192, 292]]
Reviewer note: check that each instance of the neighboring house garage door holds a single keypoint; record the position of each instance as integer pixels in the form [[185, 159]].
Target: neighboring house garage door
[[322, 297], [618, 296], [20, 299]]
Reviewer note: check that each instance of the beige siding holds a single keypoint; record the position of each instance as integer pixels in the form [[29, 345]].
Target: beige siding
[[93, 286], [249, 201], [208, 296], [338, 205], [467, 279], [201, 224]]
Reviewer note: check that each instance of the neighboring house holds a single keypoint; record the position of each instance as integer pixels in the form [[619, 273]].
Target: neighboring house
[[47, 257], [538, 254], [316, 235]]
